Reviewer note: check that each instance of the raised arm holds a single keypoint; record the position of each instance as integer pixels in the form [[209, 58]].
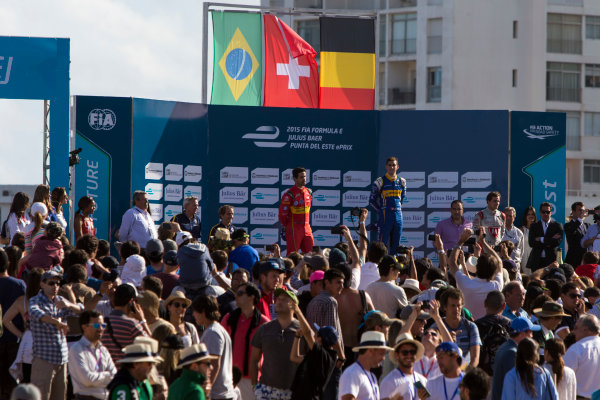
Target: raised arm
[[362, 230]]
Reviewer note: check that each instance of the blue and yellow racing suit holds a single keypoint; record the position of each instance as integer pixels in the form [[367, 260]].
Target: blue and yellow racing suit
[[386, 198]]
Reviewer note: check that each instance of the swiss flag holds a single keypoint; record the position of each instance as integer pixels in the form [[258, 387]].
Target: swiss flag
[[291, 72]]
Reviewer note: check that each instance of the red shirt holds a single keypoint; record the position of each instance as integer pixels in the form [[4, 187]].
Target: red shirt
[[586, 270], [239, 340]]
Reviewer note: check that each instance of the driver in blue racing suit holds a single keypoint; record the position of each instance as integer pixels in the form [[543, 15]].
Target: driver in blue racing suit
[[387, 194]]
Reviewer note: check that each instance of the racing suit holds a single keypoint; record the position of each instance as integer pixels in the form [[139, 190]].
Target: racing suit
[[493, 221], [386, 198], [294, 215]]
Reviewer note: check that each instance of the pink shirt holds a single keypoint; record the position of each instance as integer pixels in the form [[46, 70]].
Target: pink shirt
[[239, 341]]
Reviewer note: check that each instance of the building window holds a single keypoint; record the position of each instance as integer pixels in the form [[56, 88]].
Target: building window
[[404, 33], [573, 136], [514, 78], [591, 171], [310, 30], [434, 2], [566, 2], [562, 82], [515, 29], [592, 75], [564, 33], [434, 84], [434, 36], [402, 3], [591, 124], [592, 27], [308, 3], [382, 34]]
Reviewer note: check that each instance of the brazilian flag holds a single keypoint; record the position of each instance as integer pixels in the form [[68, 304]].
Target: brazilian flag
[[237, 52]]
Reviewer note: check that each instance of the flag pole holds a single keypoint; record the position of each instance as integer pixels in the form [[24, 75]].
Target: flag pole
[[205, 53]]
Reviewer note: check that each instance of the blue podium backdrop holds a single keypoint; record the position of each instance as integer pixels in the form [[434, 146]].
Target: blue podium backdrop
[[244, 156]]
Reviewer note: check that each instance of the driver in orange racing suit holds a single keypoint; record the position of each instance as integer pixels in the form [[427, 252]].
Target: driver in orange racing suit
[[294, 214]]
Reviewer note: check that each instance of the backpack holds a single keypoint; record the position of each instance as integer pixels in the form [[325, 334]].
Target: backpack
[[495, 335]]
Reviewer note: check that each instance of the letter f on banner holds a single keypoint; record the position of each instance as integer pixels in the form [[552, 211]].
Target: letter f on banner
[[5, 67], [291, 72]]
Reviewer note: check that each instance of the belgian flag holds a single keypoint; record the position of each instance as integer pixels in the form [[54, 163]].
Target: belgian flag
[[347, 63]]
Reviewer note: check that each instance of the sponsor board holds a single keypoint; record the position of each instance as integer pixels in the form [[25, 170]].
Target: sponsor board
[[476, 180], [98, 119], [418, 254], [233, 194], [435, 217], [156, 211], [192, 173], [154, 171], [413, 199], [193, 191], [173, 172], [540, 132], [442, 179], [325, 217], [352, 222], [357, 179], [154, 191], [287, 177], [240, 215], [233, 175], [326, 198], [434, 257], [264, 176], [326, 177], [172, 210], [325, 238], [264, 216], [356, 198], [469, 215], [355, 236], [264, 195], [474, 199], [413, 219], [441, 199], [264, 236], [414, 180], [412, 238], [173, 192]]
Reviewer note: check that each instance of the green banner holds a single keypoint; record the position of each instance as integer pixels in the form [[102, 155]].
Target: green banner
[[237, 53]]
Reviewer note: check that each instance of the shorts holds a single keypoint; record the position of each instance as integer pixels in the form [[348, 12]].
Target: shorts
[[264, 392]]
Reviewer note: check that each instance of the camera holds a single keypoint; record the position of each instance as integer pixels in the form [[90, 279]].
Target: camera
[[425, 305], [355, 211], [470, 241], [431, 237], [270, 248], [337, 230], [478, 232], [402, 250]]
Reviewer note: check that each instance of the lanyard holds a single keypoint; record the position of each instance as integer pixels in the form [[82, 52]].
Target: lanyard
[[97, 360], [374, 388], [457, 387], [412, 395], [426, 374]]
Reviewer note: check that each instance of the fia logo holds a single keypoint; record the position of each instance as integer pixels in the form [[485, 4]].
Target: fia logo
[[102, 119], [5, 66]]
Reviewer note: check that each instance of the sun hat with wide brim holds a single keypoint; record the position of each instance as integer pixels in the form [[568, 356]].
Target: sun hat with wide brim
[[405, 338], [194, 353], [177, 295], [139, 352], [372, 340], [550, 309]]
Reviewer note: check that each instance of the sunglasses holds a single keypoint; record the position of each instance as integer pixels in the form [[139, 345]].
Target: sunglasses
[[432, 333], [177, 304], [408, 352], [53, 283], [574, 295], [240, 293], [97, 325], [545, 212]]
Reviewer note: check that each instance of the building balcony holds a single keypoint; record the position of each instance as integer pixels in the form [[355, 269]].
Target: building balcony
[[401, 96]]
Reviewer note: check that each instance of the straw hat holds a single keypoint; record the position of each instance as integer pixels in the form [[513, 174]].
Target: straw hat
[[550, 309], [194, 353], [403, 339], [177, 295], [412, 284], [371, 340], [139, 352]]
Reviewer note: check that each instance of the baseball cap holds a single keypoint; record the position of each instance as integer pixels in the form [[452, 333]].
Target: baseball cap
[[109, 262], [126, 291], [154, 247], [449, 347], [317, 261], [51, 274], [40, 208], [182, 237], [272, 264], [522, 324], [316, 276], [279, 291], [328, 334], [407, 310], [239, 234], [336, 256], [169, 244], [170, 257]]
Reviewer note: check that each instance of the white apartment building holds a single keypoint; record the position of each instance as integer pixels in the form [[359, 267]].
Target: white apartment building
[[528, 55]]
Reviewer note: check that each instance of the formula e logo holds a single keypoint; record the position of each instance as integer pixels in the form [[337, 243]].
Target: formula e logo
[[5, 66], [541, 132], [264, 136], [102, 119]]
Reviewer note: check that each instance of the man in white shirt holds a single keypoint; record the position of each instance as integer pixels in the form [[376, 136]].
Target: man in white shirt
[[402, 380], [447, 385], [513, 234], [137, 223], [368, 271], [386, 295], [90, 365], [583, 357]]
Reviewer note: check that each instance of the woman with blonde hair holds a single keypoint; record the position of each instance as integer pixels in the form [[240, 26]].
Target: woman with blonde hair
[[42, 195], [170, 345], [39, 213]]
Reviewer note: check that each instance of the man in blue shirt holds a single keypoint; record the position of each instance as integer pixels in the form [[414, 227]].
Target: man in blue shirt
[[507, 353], [514, 293], [188, 220], [244, 255]]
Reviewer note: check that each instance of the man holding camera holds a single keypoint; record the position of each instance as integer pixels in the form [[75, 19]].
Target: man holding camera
[[294, 214], [387, 194], [491, 219]]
